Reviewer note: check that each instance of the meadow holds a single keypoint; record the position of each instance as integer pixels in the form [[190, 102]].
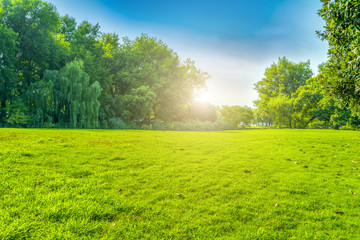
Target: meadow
[[127, 184]]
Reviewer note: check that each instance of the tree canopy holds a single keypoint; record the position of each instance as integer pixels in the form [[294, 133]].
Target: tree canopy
[[342, 32], [280, 81], [57, 72]]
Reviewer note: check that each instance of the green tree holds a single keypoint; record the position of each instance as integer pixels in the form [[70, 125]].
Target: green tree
[[280, 109], [147, 61], [16, 113], [280, 82], [314, 108], [97, 52], [36, 24], [76, 103], [262, 116], [201, 111], [283, 78], [41, 97], [237, 115], [31, 29], [342, 31], [140, 80], [138, 103], [8, 49], [307, 104]]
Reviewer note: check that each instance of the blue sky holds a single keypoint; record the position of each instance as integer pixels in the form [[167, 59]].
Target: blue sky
[[233, 40]]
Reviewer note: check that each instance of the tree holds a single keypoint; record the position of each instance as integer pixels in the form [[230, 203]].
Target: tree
[[58, 72], [149, 62], [36, 24], [29, 30], [280, 81], [16, 113], [283, 78], [8, 49], [262, 116], [41, 96], [201, 111], [237, 115], [342, 31], [76, 102], [139, 104], [314, 108], [306, 103], [281, 109]]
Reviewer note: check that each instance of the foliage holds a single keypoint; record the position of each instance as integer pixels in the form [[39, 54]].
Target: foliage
[[201, 111], [283, 78], [36, 24], [118, 123], [237, 115], [8, 49], [280, 81], [139, 103], [311, 105], [314, 108], [76, 102], [16, 113], [117, 85], [193, 125], [41, 95], [341, 30], [149, 62]]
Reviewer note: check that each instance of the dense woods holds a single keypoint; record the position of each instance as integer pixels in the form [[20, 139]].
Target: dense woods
[[55, 72]]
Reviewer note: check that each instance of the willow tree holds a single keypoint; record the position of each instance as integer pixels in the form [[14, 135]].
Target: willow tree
[[76, 103], [41, 96], [8, 48]]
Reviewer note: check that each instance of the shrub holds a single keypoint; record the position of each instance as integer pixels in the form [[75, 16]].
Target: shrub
[[192, 125], [117, 123], [347, 127], [317, 125]]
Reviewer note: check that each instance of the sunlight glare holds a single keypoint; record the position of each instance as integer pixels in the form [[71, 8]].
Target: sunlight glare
[[203, 96]]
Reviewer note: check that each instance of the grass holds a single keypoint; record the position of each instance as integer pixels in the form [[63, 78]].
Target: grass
[[250, 184]]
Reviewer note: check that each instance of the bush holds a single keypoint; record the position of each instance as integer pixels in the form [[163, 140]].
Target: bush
[[223, 124], [104, 124], [192, 125], [347, 127], [118, 123], [160, 125], [317, 125]]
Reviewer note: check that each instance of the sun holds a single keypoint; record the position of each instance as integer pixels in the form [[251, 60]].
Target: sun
[[202, 96]]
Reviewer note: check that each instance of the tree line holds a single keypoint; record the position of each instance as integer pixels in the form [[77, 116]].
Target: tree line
[[289, 94], [55, 72]]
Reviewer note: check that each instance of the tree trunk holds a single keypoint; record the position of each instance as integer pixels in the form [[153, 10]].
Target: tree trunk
[[2, 111], [290, 121]]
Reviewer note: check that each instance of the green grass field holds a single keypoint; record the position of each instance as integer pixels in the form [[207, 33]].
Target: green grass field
[[250, 184]]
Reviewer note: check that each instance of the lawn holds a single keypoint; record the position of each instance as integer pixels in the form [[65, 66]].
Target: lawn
[[246, 184]]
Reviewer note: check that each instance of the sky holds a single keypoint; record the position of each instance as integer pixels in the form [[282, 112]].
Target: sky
[[232, 40]]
